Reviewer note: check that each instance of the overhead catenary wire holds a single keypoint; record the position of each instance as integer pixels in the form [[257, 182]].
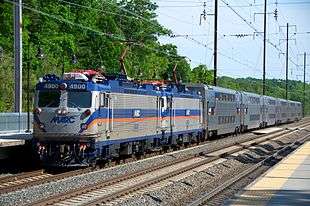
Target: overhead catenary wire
[[175, 34], [253, 27]]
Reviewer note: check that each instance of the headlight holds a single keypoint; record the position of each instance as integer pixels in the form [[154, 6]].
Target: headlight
[[87, 112], [37, 110]]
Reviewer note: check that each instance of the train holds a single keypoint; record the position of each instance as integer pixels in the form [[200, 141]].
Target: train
[[85, 117]]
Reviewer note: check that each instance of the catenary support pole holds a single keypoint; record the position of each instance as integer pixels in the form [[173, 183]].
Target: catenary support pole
[[305, 63], [18, 57], [215, 42], [264, 54], [286, 73]]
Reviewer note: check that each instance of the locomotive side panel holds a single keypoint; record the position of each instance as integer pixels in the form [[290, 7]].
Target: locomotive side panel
[[186, 117], [133, 116]]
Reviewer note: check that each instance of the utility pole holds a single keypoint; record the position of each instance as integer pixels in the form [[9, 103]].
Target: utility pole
[[215, 42], [264, 55], [18, 55], [287, 53], [265, 39], [305, 63], [286, 65]]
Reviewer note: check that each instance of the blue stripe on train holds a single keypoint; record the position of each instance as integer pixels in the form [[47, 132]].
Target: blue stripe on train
[[133, 139], [128, 113]]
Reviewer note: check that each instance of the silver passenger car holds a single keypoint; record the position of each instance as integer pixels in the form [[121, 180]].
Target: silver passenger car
[[251, 111], [282, 111], [270, 110], [222, 111], [299, 111]]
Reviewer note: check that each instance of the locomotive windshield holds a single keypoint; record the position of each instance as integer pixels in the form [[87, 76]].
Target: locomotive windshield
[[79, 99], [49, 98]]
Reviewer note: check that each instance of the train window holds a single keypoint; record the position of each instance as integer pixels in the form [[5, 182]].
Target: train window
[[169, 102], [162, 102], [245, 110], [104, 100], [79, 99], [49, 98]]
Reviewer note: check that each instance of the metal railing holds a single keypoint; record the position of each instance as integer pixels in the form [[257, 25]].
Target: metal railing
[[14, 122]]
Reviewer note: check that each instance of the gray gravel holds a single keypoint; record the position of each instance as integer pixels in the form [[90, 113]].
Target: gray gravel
[[179, 193], [35, 193]]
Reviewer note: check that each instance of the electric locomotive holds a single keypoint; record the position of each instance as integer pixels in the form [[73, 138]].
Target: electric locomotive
[[86, 117]]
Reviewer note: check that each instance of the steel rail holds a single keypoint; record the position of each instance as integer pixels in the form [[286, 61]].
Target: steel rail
[[37, 179], [19, 176]]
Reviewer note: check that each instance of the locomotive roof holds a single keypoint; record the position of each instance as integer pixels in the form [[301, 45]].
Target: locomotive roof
[[125, 86], [221, 89]]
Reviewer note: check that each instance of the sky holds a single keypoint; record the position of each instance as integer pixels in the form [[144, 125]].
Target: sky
[[240, 56]]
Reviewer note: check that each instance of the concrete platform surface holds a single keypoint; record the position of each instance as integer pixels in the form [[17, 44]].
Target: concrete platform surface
[[11, 142], [16, 135], [287, 183]]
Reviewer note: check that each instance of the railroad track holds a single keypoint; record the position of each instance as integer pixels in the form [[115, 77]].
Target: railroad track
[[23, 180], [10, 181], [28, 179], [110, 190], [202, 200]]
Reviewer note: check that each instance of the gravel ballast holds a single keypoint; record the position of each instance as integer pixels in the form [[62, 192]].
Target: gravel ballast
[[179, 193]]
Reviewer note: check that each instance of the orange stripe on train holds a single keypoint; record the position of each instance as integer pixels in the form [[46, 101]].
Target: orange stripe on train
[[132, 120]]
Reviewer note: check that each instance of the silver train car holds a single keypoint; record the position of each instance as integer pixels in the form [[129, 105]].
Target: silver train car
[[85, 118]]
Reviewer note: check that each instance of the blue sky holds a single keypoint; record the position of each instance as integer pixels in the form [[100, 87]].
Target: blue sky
[[240, 57]]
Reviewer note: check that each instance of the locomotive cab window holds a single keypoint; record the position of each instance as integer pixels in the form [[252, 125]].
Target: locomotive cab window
[[49, 98], [79, 99]]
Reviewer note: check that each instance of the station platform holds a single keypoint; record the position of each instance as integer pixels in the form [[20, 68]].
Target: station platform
[[19, 135], [9, 139], [287, 183], [11, 142]]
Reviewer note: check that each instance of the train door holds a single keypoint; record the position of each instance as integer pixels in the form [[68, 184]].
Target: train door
[[165, 118], [164, 114], [263, 109], [240, 109], [203, 107], [106, 112]]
